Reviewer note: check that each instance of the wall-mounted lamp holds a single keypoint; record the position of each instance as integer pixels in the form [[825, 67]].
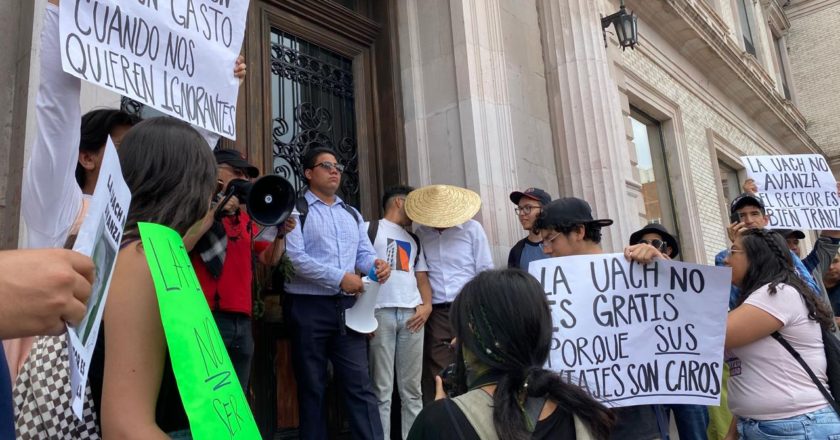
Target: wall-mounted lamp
[[626, 27]]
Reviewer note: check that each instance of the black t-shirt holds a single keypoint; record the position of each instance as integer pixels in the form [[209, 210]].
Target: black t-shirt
[[435, 422], [169, 410]]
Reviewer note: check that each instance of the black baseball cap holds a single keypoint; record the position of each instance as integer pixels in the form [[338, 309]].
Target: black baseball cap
[[236, 160], [746, 199], [788, 233], [531, 193], [567, 211], [656, 228]]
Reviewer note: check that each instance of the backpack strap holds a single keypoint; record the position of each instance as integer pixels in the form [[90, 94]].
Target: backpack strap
[[352, 212], [778, 337], [302, 206], [450, 411], [477, 406], [373, 228], [417, 242]]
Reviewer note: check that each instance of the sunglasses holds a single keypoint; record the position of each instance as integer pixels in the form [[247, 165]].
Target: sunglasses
[[329, 166], [658, 244]]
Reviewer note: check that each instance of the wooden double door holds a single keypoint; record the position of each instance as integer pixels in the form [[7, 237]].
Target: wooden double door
[[320, 73]]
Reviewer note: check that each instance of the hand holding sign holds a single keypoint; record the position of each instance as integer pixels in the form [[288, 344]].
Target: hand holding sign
[[633, 334], [41, 289], [164, 54]]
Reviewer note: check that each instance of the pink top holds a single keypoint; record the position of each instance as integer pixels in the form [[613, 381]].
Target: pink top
[[766, 382]]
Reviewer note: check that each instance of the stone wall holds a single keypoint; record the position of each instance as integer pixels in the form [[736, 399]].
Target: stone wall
[[813, 43]]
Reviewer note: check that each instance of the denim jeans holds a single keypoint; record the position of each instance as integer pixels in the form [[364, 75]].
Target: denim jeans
[[394, 345], [235, 329], [822, 424], [691, 420], [180, 435]]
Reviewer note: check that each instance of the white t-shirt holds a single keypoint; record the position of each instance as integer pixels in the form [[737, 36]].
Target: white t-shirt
[[766, 382], [394, 245]]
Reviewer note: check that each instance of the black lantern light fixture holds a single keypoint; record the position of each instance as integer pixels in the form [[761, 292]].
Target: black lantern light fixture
[[626, 27]]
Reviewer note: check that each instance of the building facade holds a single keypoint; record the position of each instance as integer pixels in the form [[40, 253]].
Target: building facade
[[500, 95]]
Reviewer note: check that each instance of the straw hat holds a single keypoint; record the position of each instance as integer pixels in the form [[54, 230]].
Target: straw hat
[[441, 206]]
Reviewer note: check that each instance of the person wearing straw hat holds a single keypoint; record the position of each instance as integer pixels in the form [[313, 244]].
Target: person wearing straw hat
[[456, 250], [568, 228], [326, 250]]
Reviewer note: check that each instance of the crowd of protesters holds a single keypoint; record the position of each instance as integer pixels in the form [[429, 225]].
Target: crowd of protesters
[[462, 343]]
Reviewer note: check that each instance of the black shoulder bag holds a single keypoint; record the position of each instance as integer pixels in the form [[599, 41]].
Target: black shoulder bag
[[832, 356]]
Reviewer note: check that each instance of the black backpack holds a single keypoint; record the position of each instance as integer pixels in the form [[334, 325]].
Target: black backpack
[[832, 357], [373, 228]]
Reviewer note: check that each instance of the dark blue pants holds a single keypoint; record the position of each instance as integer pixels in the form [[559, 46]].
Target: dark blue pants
[[235, 329], [691, 420], [318, 334]]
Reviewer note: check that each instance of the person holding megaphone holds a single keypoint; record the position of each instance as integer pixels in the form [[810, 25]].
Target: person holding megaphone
[[221, 250]]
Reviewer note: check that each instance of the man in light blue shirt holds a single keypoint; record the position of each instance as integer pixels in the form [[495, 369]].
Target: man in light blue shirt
[[327, 247]]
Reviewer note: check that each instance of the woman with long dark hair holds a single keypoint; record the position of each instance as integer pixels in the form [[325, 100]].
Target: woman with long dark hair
[[503, 327], [172, 176], [770, 393]]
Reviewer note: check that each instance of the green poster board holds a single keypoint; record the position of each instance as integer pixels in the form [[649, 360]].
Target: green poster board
[[211, 393]]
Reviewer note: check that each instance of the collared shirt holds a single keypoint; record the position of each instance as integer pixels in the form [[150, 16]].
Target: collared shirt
[[454, 256], [735, 292], [334, 244]]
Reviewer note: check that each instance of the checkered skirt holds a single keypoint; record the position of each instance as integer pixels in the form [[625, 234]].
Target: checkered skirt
[[42, 396]]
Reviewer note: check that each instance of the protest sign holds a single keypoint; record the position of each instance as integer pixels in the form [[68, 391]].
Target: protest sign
[[99, 238], [798, 191], [210, 391], [634, 335], [176, 56]]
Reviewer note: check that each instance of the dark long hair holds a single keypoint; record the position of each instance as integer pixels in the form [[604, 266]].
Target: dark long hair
[[171, 173], [97, 125], [503, 318], [770, 262]]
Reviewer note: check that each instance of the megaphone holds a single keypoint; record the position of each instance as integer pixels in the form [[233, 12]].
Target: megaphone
[[270, 199]]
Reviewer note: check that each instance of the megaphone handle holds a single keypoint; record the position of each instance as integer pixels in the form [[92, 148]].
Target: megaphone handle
[[221, 206]]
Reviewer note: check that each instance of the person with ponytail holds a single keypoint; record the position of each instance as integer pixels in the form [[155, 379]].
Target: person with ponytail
[[771, 394], [503, 329]]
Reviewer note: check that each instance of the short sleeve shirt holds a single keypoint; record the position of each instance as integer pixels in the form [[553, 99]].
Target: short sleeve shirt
[[766, 382]]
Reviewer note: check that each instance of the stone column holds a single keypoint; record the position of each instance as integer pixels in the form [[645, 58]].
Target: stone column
[[485, 117], [587, 123], [457, 106]]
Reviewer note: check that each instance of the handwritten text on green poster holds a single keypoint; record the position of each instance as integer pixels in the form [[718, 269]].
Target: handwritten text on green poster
[[212, 397]]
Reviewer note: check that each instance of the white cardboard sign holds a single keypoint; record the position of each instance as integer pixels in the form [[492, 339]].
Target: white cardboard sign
[[635, 335], [174, 55], [798, 191], [99, 238]]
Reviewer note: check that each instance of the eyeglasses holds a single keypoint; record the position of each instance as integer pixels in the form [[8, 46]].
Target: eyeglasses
[[549, 240], [735, 251], [526, 210], [657, 243], [329, 166]]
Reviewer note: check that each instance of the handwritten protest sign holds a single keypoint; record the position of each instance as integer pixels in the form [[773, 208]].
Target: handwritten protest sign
[[98, 238], [176, 56], [211, 393], [633, 334], [798, 191]]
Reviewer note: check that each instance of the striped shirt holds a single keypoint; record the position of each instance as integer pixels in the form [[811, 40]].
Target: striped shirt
[[334, 244]]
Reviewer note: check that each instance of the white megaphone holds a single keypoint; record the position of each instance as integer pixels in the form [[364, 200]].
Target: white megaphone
[[361, 317]]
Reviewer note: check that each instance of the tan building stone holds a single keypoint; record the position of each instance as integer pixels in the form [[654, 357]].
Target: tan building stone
[[813, 42]]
